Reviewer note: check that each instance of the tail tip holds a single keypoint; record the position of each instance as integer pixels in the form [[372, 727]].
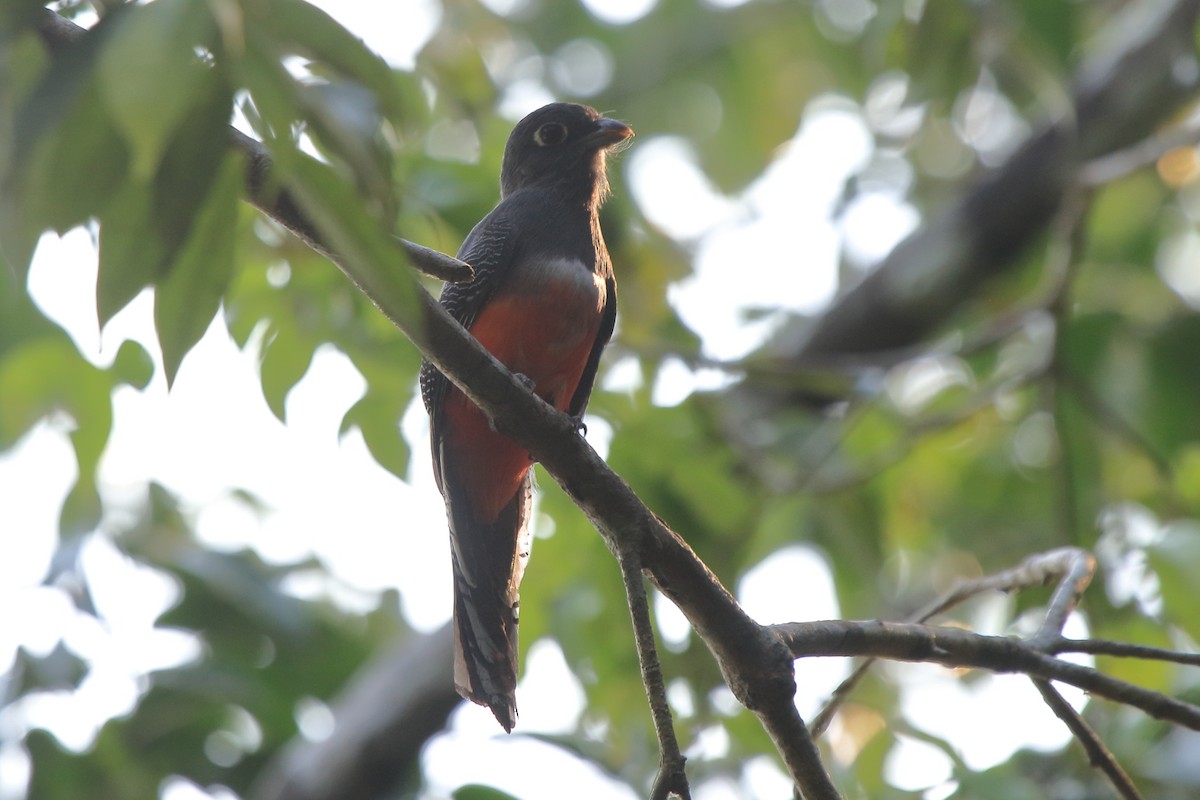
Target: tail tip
[[503, 706], [505, 711]]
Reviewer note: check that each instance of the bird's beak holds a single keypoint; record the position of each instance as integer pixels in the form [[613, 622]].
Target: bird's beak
[[609, 132]]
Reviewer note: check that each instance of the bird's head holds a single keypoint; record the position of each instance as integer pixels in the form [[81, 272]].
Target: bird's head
[[562, 145]]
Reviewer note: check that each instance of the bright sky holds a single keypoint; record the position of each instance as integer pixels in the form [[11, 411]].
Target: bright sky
[[315, 484]]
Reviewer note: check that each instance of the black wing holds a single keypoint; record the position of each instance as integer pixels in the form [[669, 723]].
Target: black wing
[[488, 249], [583, 391]]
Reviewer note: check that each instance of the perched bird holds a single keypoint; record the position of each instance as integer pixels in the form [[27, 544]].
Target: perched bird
[[543, 302]]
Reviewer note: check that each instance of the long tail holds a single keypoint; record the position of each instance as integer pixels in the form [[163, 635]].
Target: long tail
[[486, 602]]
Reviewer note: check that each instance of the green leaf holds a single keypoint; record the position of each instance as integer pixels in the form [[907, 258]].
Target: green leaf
[[367, 252], [22, 62], [1172, 397], [302, 27], [1187, 475], [1053, 26], [147, 222], [20, 320], [345, 121], [285, 360], [939, 52], [46, 375], [275, 95], [65, 175], [1176, 559], [150, 75], [476, 791], [132, 249], [18, 14], [378, 417], [133, 365], [187, 299]]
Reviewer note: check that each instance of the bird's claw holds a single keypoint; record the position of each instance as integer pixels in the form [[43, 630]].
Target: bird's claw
[[580, 425], [525, 380]]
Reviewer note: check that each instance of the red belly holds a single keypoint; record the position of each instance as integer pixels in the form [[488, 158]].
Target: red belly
[[543, 336]]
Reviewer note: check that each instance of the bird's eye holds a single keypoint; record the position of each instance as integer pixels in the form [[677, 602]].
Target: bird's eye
[[550, 134]]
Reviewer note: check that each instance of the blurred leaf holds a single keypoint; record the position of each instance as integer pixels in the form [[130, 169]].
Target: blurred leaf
[[938, 52], [244, 587], [345, 119], [76, 138], [18, 14], [22, 62], [1173, 394], [58, 670], [1176, 559], [286, 358], [142, 232], [275, 96], [187, 299], [475, 791], [47, 375], [378, 417], [149, 74], [133, 365], [132, 249], [1150, 674], [300, 27], [366, 249], [111, 773], [1052, 25], [1187, 475], [20, 319], [1122, 219]]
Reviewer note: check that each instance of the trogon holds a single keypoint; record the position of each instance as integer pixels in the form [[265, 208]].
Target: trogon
[[543, 301]]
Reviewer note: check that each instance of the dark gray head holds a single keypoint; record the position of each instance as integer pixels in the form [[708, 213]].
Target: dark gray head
[[561, 146]]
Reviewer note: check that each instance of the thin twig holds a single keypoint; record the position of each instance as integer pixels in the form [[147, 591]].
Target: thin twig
[[1098, 755], [1036, 570], [1078, 568], [1104, 647], [954, 647], [671, 779], [1146, 153], [1074, 582]]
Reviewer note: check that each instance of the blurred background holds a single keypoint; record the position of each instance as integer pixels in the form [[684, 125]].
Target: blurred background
[[239, 586]]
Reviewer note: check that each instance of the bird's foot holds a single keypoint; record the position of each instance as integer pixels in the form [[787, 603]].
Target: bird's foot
[[580, 425]]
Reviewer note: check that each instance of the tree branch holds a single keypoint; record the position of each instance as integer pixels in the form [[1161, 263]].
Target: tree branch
[[1076, 576], [953, 647], [672, 778], [1066, 564]]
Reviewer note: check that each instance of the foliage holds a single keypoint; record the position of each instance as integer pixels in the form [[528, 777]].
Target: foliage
[[1066, 427]]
